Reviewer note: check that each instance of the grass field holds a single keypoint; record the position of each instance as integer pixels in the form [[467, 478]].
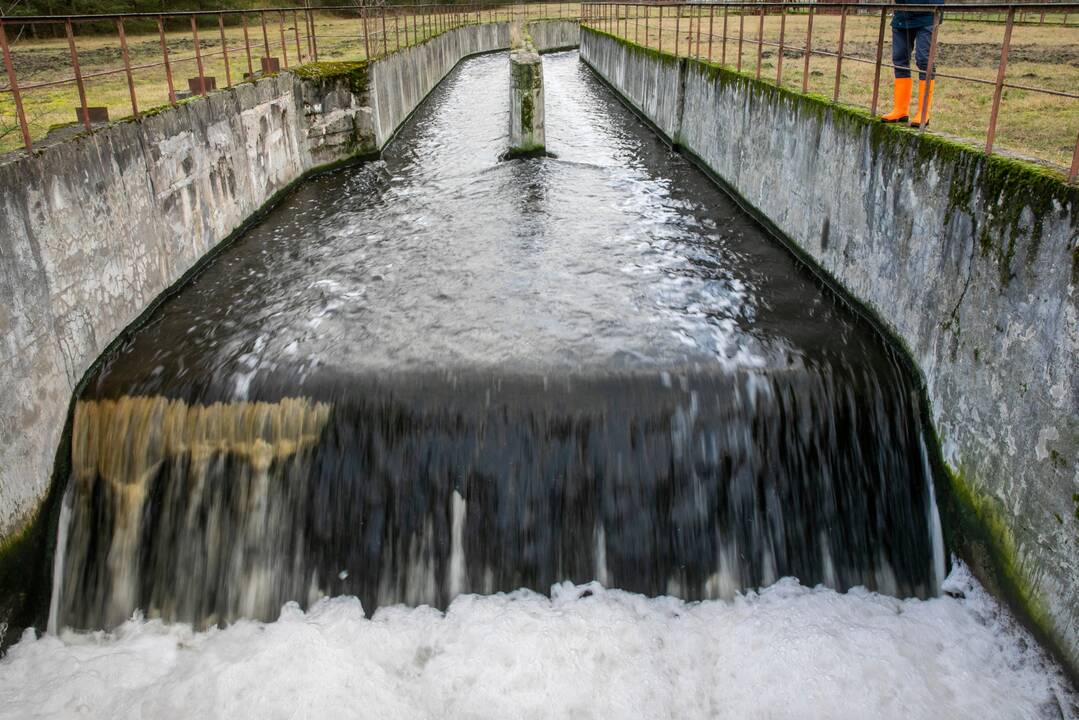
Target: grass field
[[1030, 123], [338, 37]]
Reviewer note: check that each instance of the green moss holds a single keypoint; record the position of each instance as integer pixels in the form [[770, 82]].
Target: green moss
[[61, 126], [26, 560], [356, 73], [982, 534]]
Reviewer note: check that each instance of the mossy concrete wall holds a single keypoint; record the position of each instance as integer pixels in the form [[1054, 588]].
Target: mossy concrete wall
[[971, 262], [526, 127], [95, 229], [400, 82]]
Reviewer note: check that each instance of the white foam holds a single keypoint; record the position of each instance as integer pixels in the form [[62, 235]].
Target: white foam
[[787, 652]]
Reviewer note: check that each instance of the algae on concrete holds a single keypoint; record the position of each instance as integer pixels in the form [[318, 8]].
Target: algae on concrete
[[527, 136]]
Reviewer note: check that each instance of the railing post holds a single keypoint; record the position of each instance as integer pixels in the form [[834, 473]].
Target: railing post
[[366, 43], [809, 51], [877, 63], [839, 55], [385, 35], [677, 27], [711, 22], [247, 44], [284, 43], [397, 30], [224, 49], [760, 44], [198, 55], [296, 36], [782, 37], [308, 27], [127, 67], [1074, 171], [13, 83], [697, 14], [265, 37], [741, 34], [78, 71], [930, 67], [991, 133], [723, 58], [661, 28]]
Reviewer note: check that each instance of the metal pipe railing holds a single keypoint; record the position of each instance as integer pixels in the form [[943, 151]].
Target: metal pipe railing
[[659, 18], [372, 33]]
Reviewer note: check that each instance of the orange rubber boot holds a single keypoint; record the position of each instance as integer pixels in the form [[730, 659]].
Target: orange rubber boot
[[901, 109], [925, 90]]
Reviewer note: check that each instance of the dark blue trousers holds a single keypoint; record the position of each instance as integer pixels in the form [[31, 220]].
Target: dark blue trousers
[[909, 41]]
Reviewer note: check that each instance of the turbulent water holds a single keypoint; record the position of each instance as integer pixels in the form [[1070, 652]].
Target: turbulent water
[[445, 373], [447, 380], [789, 652]]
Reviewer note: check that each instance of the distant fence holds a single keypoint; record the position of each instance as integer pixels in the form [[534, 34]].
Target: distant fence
[[718, 32], [238, 43]]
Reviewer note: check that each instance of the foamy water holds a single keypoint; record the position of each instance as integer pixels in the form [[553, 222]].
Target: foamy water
[[785, 652]]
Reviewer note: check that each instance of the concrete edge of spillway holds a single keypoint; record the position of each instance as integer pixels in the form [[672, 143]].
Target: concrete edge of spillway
[[968, 262], [100, 229]]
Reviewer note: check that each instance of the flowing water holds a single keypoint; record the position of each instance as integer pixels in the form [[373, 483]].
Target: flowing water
[[444, 373]]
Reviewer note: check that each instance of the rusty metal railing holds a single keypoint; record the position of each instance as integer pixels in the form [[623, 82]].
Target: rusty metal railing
[[705, 30], [367, 31]]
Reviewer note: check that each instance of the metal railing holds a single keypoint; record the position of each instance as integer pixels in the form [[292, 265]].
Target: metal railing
[[717, 32], [232, 39]]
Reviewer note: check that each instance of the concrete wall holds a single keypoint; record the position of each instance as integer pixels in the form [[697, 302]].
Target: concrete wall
[[971, 262], [94, 229], [550, 35], [400, 82]]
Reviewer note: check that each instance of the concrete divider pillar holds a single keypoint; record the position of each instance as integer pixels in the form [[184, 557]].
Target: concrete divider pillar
[[526, 98]]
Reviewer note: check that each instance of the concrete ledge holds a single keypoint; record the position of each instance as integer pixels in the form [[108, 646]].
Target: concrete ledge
[[971, 263]]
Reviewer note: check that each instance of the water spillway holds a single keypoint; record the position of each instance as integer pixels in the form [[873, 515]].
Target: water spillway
[[445, 373]]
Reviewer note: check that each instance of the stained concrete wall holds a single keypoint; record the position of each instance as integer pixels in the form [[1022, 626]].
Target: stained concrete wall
[[526, 126], [400, 82], [971, 262], [94, 229]]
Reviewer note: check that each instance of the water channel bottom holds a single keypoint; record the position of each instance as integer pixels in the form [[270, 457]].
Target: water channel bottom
[[463, 397]]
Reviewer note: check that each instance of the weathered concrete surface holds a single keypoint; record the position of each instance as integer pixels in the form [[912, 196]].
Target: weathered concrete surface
[[94, 229], [651, 82], [551, 35], [400, 82], [972, 263], [527, 133]]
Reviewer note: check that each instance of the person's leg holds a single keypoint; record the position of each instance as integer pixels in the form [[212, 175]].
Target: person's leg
[[902, 45], [922, 40]]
